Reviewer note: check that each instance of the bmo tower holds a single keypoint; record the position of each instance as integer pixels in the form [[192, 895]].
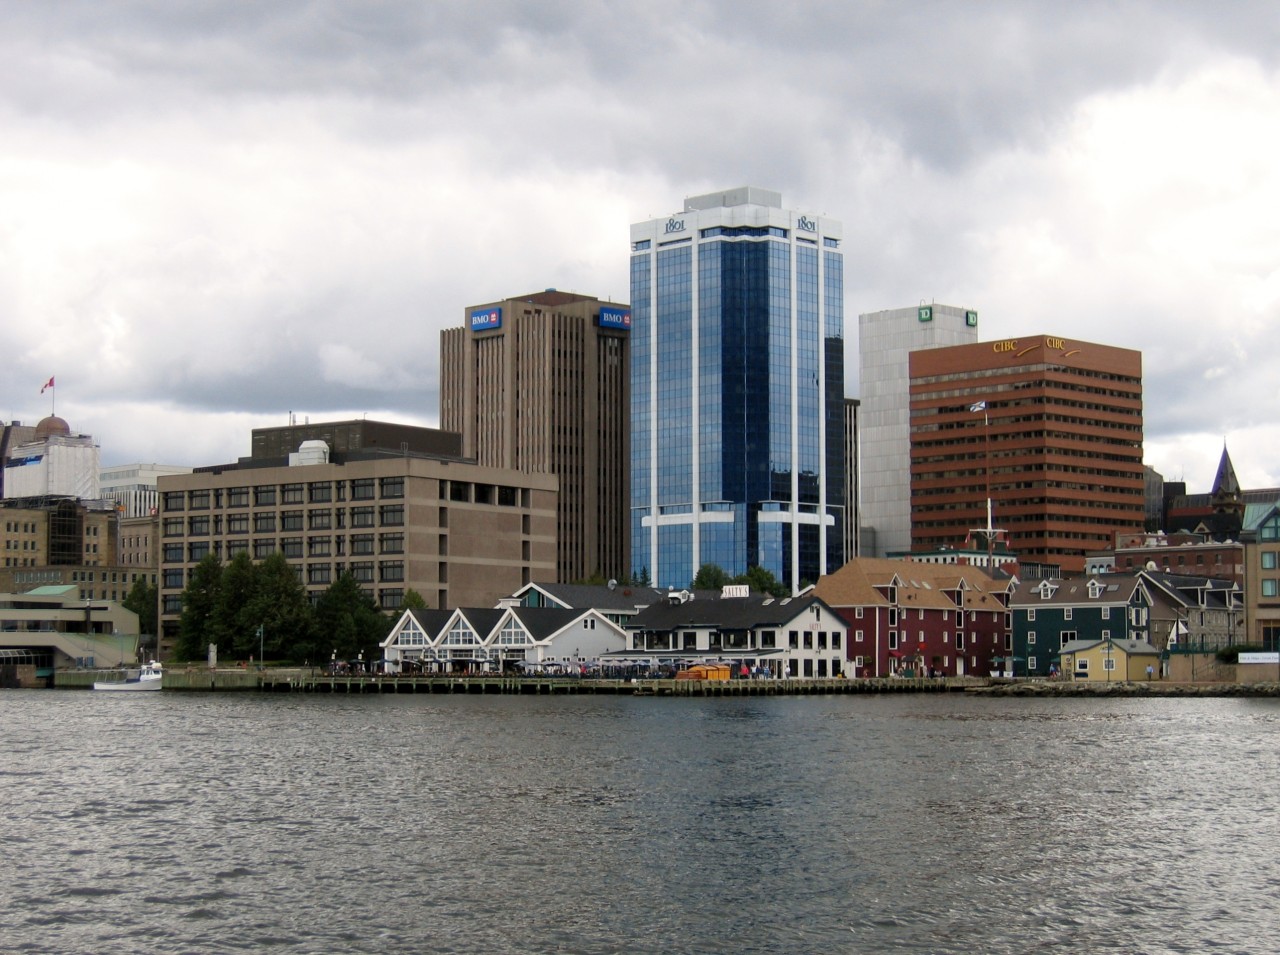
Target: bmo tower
[[737, 390]]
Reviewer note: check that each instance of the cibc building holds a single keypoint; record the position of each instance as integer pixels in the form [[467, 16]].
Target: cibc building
[[394, 506], [1048, 429]]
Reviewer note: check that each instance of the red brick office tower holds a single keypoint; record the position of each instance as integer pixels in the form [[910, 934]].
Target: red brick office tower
[[1048, 429]]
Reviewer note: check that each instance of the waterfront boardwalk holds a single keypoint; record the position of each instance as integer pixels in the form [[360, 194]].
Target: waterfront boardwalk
[[315, 680], [286, 681]]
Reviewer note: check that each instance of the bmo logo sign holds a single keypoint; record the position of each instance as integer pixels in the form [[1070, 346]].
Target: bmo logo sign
[[615, 317], [486, 319]]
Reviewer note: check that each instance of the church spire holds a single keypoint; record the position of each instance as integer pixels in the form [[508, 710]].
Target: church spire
[[1226, 488]]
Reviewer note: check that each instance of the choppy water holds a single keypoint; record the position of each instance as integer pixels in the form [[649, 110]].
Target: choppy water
[[236, 822]]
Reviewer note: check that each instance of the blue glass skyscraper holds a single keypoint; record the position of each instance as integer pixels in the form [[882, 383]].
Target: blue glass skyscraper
[[737, 390]]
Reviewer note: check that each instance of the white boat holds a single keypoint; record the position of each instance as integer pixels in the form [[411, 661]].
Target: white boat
[[150, 677]]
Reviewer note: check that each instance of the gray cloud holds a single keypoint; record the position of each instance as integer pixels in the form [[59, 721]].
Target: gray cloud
[[241, 210]]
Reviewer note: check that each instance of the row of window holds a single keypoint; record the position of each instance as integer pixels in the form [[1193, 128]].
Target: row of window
[[292, 547], [737, 640], [896, 640], [266, 522], [267, 495]]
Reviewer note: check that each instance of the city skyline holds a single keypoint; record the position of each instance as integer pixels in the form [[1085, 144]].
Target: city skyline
[[219, 217]]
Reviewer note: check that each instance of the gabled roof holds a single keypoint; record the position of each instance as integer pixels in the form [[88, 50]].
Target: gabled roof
[[727, 613], [919, 585], [595, 596], [1130, 647], [481, 619], [431, 621], [543, 622], [1106, 590]]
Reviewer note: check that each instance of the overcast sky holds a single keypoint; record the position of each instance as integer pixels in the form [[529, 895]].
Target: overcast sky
[[213, 215]]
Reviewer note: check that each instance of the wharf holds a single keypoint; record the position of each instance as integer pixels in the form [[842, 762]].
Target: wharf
[[481, 684], [315, 680]]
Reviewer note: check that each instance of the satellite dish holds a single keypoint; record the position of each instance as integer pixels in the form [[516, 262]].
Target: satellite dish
[[1151, 565], [612, 583]]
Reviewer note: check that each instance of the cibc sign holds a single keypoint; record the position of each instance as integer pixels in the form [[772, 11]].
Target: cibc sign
[[486, 319], [614, 318]]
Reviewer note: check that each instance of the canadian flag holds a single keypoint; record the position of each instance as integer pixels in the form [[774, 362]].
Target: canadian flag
[[47, 385]]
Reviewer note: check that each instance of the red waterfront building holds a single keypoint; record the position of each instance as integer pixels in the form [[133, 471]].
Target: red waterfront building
[[913, 618]]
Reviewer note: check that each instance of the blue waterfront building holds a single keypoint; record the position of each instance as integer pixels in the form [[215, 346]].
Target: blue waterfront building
[[737, 390]]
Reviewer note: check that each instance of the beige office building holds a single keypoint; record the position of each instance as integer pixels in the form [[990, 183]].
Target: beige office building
[[458, 533], [540, 384]]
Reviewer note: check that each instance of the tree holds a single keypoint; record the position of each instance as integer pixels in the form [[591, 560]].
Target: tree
[[279, 604], [144, 600], [641, 578], [236, 631], [710, 577], [196, 629], [412, 600], [762, 581], [349, 620]]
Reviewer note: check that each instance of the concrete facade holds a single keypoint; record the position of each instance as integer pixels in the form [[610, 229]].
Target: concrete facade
[[55, 531], [456, 532], [540, 384], [885, 341]]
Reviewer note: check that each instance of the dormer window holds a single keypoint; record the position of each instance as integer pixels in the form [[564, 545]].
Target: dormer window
[[1095, 590]]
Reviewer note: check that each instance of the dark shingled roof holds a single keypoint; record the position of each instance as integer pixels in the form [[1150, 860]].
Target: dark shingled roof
[[724, 613]]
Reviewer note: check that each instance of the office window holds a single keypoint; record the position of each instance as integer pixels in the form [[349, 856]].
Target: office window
[[291, 494]]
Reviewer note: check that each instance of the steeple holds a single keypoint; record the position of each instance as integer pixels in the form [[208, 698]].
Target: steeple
[[1226, 495]]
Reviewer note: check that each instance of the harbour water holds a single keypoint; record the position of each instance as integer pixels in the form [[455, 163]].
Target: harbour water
[[316, 824]]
